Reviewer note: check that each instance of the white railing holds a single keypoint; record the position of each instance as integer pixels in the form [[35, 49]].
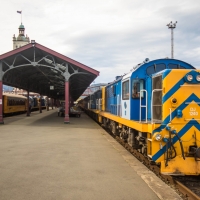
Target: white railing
[[143, 106], [118, 106]]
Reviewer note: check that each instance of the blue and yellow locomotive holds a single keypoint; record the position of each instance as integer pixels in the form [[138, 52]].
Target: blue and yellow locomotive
[[155, 108]]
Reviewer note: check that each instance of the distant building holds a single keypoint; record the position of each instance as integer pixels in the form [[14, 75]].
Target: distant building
[[21, 40]]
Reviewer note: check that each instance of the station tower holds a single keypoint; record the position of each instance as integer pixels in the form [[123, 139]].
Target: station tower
[[21, 40]]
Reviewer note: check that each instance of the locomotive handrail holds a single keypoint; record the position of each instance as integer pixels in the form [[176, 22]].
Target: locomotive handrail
[[118, 106], [153, 91], [143, 106]]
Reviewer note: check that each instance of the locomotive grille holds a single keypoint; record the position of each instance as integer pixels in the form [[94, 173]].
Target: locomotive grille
[[157, 98]]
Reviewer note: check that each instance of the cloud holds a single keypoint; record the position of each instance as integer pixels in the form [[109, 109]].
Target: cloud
[[109, 36]]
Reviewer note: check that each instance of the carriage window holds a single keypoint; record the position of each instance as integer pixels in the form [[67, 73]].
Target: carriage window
[[125, 90], [137, 85], [112, 90]]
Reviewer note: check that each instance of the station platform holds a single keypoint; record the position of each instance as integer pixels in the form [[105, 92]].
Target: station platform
[[42, 158]]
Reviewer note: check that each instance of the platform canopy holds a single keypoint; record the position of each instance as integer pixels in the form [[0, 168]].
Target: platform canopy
[[41, 70]]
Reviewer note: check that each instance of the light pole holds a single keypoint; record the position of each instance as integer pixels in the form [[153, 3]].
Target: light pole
[[172, 26]]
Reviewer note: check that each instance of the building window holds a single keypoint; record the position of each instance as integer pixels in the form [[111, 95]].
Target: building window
[[125, 90]]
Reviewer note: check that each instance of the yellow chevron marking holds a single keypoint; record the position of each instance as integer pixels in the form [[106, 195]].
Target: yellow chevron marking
[[172, 78], [180, 95]]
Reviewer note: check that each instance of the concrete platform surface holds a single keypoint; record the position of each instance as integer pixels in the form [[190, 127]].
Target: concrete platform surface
[[41, 158]]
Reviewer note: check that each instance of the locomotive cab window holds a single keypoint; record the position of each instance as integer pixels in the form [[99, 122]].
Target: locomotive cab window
[[155, 68], [137, 85], [150, 70], [125, 90], [175, 66], [160, 67]]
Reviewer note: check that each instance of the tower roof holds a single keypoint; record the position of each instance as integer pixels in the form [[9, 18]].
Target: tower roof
[[21, 26]]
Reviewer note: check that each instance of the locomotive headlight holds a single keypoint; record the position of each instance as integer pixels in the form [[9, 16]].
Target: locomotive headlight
[[198, 78], [158, 137], [189, 77]]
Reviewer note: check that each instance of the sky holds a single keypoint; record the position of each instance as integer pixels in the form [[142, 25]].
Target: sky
[[110, 36]]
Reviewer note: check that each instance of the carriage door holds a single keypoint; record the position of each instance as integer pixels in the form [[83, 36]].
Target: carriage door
[[138, 102], [125, 103]]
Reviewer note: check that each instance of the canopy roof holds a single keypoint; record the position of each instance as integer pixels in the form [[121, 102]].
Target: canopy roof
[[35, 68]]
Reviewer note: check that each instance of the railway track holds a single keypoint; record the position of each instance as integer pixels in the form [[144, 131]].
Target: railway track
[[187, 186]]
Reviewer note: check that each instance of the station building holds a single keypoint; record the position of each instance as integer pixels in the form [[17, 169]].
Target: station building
[[33, 67]]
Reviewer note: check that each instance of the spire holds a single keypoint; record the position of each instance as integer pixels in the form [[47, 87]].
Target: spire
[[21, 30]]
